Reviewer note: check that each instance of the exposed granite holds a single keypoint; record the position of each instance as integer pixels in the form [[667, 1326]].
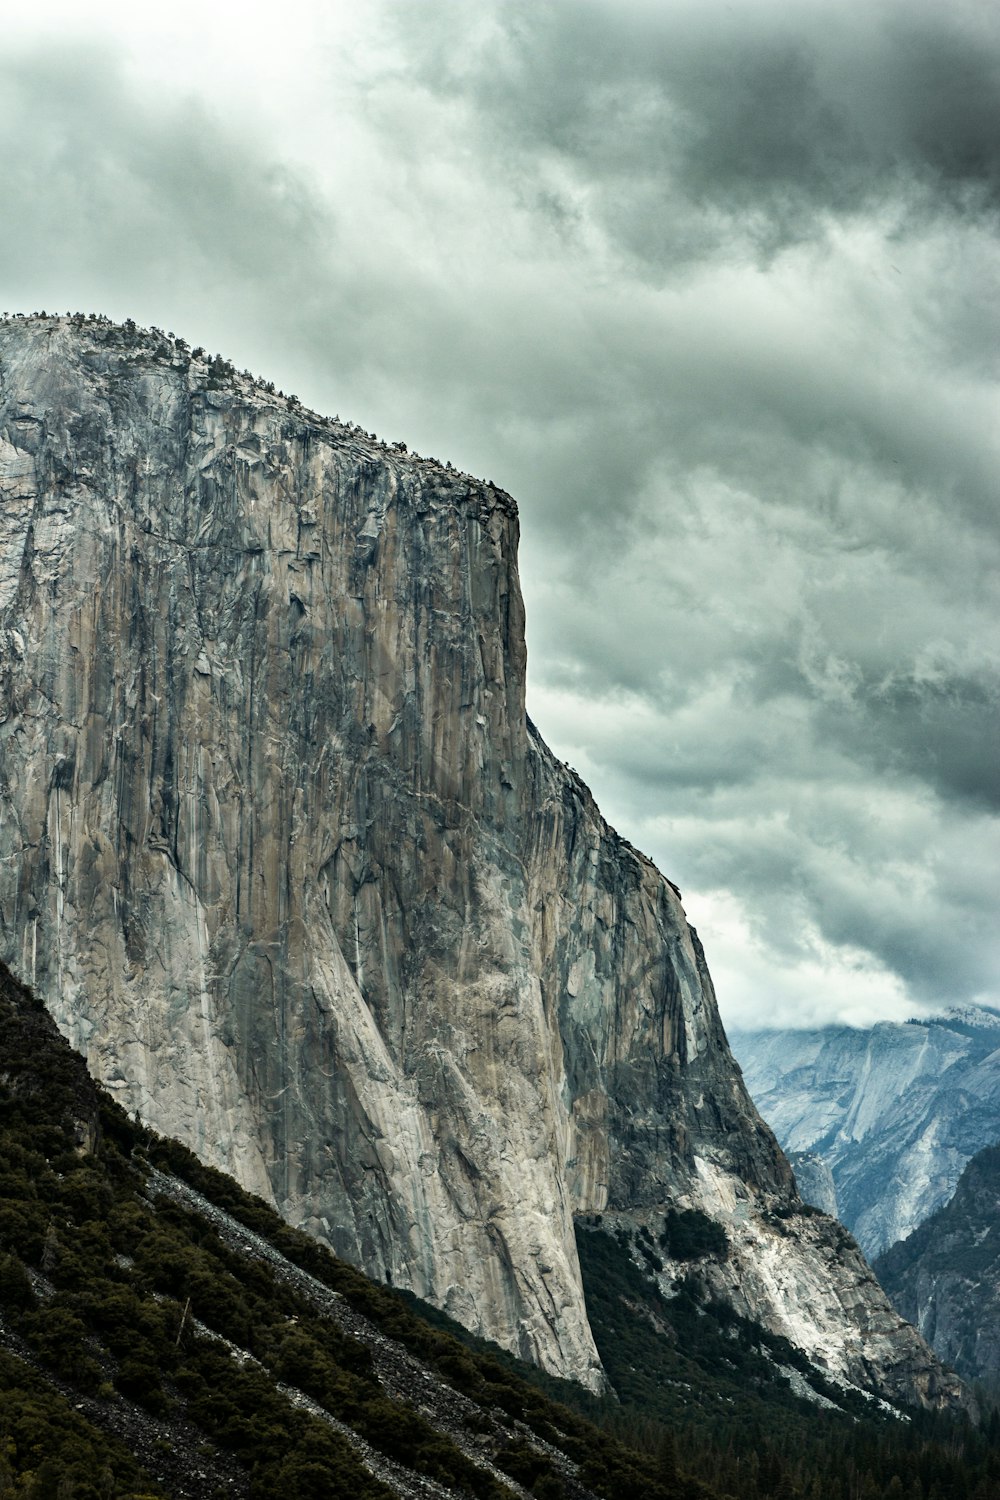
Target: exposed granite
[[281, 850], [895, 1111], [814, 1181], [946, 1276]]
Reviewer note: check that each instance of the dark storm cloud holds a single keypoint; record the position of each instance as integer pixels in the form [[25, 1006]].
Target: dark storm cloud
[[944, 732], [713, 290], [855, 893], [692, 123]]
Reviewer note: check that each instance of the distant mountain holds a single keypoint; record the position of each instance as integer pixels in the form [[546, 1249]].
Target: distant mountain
[[895, 1112], [815, 1181], [945, 1277]]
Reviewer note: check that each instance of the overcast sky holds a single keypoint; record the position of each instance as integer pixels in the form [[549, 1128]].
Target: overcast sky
[[712, 289]]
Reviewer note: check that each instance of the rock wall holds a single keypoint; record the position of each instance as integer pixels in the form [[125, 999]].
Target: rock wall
[[946, 1276], [814, 1181], [895, 1112], [287, 861]]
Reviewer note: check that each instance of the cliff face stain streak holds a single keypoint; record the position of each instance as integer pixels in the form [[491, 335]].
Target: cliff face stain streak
[[292, 868]]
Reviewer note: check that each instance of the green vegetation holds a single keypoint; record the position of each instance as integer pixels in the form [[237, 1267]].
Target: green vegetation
[[714, 1381], [689, 1234]]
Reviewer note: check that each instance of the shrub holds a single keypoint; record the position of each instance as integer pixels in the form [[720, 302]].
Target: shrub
[[140, 1381], [689, 1234], [15, 1287]]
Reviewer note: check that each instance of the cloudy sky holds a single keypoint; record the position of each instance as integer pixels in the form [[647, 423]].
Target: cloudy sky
[[712, 289]]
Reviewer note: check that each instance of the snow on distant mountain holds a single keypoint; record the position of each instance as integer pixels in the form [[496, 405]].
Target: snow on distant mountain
[[896, 1112]]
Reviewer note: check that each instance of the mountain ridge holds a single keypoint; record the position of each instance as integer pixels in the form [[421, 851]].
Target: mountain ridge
[[895, 1111]]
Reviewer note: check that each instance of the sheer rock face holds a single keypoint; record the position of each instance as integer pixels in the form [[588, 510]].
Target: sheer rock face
[[946, 1275], [895, 1112], [814, 1181], [290, 866]]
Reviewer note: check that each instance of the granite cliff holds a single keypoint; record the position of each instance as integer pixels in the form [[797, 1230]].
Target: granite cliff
[[895, 1112], [814, 1181], [945, 1277], [291, 867]]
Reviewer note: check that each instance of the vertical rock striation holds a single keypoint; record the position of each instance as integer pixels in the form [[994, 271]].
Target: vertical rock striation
[[814, 1181], [288, 862]]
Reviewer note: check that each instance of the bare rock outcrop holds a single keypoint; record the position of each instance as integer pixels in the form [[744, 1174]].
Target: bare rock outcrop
[[282, 852], [945, 1276]]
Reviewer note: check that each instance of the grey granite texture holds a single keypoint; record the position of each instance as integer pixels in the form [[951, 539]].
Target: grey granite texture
[[287, 861]]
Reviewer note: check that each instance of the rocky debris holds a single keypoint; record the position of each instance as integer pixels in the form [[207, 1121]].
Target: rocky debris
[[402, 1481], [402, 1376], [289, 864], [171, 1450], [800, 1275]]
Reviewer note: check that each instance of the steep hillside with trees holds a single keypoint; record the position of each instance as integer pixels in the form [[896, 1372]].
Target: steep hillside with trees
[[165, 1334]]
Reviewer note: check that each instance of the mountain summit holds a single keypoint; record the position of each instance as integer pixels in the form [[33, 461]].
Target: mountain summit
[[282, 852]]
